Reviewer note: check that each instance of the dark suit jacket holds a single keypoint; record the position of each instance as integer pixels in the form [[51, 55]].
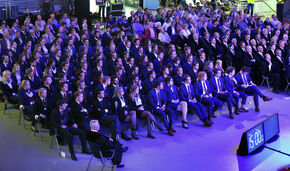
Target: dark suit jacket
[[99, 109], [24, 98], [184, 95], [7, 90], [77, 115], [229, 84], [171, 95], [153, 101], [57, 120], [199, 90], [214, 85], [240, 80], [42, 108]]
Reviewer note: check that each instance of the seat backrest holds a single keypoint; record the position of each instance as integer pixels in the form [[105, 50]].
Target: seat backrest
[[95, 148]]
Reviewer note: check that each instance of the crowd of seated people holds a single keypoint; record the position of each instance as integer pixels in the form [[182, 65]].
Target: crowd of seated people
[[178, 62]]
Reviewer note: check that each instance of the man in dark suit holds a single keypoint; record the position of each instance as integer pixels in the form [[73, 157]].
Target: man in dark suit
[[178, 77], [220, 92], [149, 84], [204, 30], [246, 85], [67, 128], [203, 93], [47, 84], [63, 93], [173, 102], [250, 60], [42, 109], [186, 92], [80, 111], [231, 86], [158, 63], [279, 69], [106, 144], [157, 100], [102, 110], [5, 64]]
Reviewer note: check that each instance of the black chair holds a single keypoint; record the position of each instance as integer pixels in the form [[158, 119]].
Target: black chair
[[265, 78], [54, 138], [96, 152]]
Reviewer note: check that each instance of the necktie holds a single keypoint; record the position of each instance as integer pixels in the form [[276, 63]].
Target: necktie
[[204, 87], [244, 79], [232, 82], [158, 98], [189, 92], [44, 103], [219, 85], [35, 72]]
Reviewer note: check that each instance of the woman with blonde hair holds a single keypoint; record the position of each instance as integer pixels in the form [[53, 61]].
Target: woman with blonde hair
[[26, 97], [123, 110], [17, 75], [9, 88], [136, 103]]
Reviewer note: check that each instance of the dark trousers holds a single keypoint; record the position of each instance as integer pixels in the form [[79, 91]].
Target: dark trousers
[[85, 125], [68, 134], [118, 153], [28, 110], [212, 104], [102, 8], [280, 8], [251, 7], [110, 121], [13, 99], [227, 97], [162, 115], [199, 109], [279, 80], [241, 95], [253, 90]]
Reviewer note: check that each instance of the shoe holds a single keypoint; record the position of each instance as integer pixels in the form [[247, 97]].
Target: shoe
[[207, 123], [267, 98], [125, 137], [124, 149], [232, 116], [120, 165], [33, 129], [159, 128], [244, 109], [73, 157], [173, 130], [240, 110], [135, 137], [213, 115], [237, 111], [170, 132], [210, 122], [150, 136], [184, 124], [257, 109], [86, 151], [27, 118], [275, 91]]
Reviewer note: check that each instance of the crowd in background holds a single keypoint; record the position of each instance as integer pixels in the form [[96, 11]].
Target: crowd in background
[[179, 61]]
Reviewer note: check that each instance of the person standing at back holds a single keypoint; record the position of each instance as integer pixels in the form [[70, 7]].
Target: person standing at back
[[251, 4]]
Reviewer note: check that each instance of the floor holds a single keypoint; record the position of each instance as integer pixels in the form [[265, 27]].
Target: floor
[[198, 148]]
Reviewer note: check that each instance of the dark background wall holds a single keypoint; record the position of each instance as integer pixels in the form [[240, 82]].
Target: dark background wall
[[33, 5]]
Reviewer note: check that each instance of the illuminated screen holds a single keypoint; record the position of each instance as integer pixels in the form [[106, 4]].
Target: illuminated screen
[[255, 138], [271, 127]]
